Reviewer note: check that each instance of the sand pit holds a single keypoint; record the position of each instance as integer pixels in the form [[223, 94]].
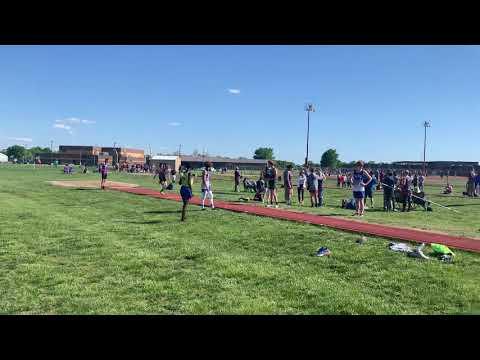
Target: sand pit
[[91, 184]]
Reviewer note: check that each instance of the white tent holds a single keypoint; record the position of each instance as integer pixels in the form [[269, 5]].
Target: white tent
[[3, 158]]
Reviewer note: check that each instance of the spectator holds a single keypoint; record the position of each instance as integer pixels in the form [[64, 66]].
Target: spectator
[[302, 183], [237, 177], [288, 186]]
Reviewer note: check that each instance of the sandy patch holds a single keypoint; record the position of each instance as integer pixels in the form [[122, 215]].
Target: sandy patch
[[90, 184]]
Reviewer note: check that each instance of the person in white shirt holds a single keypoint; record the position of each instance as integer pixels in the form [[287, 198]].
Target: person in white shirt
[[302, 184]]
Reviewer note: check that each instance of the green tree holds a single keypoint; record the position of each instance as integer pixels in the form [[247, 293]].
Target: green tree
[[329, 159], [16, 152], [264, 153], [30, 153]]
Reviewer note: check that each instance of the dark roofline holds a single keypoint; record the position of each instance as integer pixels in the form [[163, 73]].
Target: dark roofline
[[221, 159]]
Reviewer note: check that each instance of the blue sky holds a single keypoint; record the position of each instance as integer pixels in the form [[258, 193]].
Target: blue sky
[[371, 101]]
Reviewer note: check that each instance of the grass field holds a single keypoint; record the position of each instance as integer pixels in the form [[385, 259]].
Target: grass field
[[67, 251], [464, 222]]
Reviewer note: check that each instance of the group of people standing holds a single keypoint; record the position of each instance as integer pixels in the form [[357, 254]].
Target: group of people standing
[[473, 184], [186, 187]]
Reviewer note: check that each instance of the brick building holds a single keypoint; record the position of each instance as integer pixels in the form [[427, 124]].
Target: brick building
[[92, 155]]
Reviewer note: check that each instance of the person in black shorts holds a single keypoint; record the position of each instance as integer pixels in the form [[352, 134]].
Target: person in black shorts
[[271, 176], [185, 182]]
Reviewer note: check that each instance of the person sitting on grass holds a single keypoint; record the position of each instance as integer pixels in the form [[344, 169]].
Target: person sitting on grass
[[348, 204], [448, 189], [260, 189]]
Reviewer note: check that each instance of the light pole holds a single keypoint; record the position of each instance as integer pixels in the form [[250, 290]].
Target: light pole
[[425, 125], [308, 108], [116, 153], [51, 152]]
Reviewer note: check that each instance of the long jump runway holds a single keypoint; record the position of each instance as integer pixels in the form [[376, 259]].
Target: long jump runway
[[397, 233]]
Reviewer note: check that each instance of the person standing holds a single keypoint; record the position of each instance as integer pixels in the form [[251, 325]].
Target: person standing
[[206, 185], [388, 192], [471, 184], [288, 186], [185, 182], [237, 176], [320, 179], [477, 184], [406, 185], [415, 182], [301, 185], [312, 186], [358, 187], [104, 173], [162, 177], [370, 188], [271, 177], [421, 181]]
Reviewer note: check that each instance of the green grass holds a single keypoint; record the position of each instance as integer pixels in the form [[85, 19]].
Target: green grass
[[65, 251]]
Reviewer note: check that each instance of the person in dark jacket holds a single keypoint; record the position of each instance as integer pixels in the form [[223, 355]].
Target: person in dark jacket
[[237, 178], [388, 192]]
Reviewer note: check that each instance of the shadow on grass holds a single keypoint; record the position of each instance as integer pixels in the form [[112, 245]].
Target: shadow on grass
[[454, 205], [172, 211], [91, 189]]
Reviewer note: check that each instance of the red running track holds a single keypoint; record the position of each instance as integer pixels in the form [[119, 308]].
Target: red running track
[[391, 232]]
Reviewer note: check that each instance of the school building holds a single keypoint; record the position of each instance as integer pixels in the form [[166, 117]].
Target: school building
[[196, 162], [92, 155], [454, 168]]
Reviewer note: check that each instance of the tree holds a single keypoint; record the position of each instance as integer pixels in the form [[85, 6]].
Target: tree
[[30, 153], [282, 164], [329, 159], [264, 153], [16, 152]]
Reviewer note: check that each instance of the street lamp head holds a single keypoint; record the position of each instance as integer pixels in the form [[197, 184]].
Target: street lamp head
[[309, 107], [426, 124]]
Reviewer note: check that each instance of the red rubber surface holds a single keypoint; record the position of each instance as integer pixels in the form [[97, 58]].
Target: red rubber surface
[[392, 232]]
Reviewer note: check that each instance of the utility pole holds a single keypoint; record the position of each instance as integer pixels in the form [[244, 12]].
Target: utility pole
[[51, 152], [116, 152], [180, 150], [308, 108], [425, 125]]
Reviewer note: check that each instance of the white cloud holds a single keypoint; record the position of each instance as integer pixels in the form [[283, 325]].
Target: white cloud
[[62, 126], [22, 139], [234, 91], [174, 123], [68, 128], [74, 120], [68, 123]]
